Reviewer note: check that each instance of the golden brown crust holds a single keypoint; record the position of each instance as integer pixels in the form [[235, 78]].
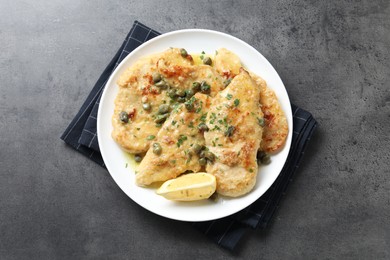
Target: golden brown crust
[[236, 108], [276, 125]]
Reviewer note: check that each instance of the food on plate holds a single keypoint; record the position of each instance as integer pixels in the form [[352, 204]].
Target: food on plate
[[275, 122], [176, 147], [189, 187], [233, 120], [182, 113], [227, 63]]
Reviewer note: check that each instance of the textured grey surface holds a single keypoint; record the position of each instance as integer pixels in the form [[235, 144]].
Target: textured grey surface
[[334, 59]]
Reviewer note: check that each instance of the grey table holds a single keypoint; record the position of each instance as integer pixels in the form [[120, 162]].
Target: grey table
[[333, 57]]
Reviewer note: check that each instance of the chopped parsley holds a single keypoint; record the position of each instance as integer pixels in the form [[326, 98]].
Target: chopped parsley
[[181, 139], [229, 96], [174, 122], [236, 102], [203, 117]]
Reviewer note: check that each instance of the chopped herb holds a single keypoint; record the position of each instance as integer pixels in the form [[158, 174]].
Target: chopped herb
[[236, 102], [203, 117], [150, 137], [191, 125], [227, 82], [158, 125], [213, 143], [174, 122], [250, 170], [181, 139], [229, 96], [138, 128], [216, 128], [219, 144]]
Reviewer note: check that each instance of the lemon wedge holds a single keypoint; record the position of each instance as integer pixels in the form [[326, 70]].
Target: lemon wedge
[[189, 187]]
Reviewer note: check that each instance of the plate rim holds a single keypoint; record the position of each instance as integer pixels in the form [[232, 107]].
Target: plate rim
[[172, 33]]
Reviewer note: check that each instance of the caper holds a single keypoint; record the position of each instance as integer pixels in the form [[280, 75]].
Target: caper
[[203, 127], [207, 61], [261, 121], [189, 93], [161, 84], [137, 158], [229, 132], [189, 106], [205, 88], [197, 148], [183, 53], [196, 86], [202, 161], [209, 156], [162, 109], [172, 93], [157, 77], [181, 92], [157, 148], [161, 118], [124, 117], [181, 99], [266, 159], [146, 106]]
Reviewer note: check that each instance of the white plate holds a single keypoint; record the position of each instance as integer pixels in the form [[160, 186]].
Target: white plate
[[194, 41]]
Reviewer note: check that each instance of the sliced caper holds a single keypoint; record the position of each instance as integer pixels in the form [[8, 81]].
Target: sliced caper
[[207, 61], [196, 86], [164, 108], [181, 99], [229, 132], [210, 156], [146, 106], [183, 53], [203, 127], [157, 77], [181, 92], [205, 88], [124, 117], [196, 148], [172, 93], [137, 158], [161, 84], [161, 118], [157, 148], [202, 161]]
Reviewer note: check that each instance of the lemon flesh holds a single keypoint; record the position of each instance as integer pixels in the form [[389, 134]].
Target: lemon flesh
[[189, 187]]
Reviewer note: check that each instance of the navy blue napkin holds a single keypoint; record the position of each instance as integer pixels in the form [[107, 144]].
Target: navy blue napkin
[[226, 232]]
